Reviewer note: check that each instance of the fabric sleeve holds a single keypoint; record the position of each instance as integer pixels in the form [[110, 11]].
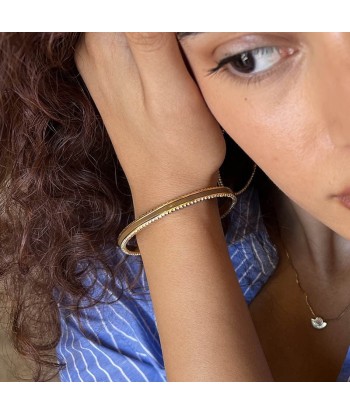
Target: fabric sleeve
[[119, 343]]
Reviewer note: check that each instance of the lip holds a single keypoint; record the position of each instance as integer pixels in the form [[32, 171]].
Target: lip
[[345, 192], [344, 198]]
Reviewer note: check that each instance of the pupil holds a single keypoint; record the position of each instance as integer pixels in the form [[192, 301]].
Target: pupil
[[244, 62]]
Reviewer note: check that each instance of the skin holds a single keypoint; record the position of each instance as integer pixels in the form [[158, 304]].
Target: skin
[[294, 124]]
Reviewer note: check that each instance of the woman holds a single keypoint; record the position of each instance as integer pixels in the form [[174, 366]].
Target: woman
[[160, 100]]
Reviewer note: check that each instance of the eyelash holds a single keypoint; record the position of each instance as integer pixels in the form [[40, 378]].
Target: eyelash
[[242, 79]]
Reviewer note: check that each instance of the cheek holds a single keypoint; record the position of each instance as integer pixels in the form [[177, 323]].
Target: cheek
[[285, 129], [277, 132]]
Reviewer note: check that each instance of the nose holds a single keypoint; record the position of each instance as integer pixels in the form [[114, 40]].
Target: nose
[[331, 70]]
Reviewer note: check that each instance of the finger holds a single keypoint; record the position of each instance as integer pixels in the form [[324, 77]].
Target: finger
[[105, 47], [106, 63], [158, 58]]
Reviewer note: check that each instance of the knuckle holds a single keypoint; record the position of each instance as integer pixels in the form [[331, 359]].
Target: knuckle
[[149, 41]]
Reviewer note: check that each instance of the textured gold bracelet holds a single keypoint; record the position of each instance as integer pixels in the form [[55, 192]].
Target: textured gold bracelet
[[169, 207]]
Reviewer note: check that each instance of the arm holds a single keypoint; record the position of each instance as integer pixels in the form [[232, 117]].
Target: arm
[[168, 144], [204, 324]]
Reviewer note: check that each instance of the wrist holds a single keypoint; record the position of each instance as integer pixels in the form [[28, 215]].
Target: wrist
[[151, 196], [201, 215]]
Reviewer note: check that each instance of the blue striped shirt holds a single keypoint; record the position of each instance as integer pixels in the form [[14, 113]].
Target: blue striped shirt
[[121, 342]]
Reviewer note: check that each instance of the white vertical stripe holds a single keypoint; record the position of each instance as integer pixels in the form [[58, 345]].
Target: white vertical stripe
[[100, 350], [61, 351], [252, 238], [117, 347], [120, 303], [268, 241], [85, 363], [139, 341], [244, 252], [144, 326], [110, 360], [96, 360], [65, 347]]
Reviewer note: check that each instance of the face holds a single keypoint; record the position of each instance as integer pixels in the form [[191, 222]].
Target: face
[[285, 100]]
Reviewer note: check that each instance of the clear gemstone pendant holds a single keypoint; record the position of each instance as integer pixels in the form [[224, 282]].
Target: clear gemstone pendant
[[318, 323]]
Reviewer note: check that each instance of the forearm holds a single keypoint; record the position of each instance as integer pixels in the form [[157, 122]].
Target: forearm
[[204, 324]]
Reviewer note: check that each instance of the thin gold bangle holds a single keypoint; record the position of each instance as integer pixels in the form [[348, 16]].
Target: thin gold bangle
[[169, 207]]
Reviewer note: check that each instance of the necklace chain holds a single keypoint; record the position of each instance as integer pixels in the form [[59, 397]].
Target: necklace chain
[[307, 302], [220, 183]]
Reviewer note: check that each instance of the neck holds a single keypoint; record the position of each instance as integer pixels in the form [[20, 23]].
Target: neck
[[314, 248]]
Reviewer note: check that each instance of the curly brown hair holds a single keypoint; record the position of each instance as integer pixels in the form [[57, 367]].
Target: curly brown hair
[[63, 193]]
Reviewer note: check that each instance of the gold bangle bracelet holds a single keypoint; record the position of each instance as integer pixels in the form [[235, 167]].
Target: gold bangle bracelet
[[169, 207]]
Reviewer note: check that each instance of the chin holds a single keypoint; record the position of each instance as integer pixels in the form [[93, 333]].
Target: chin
[[341, 228]]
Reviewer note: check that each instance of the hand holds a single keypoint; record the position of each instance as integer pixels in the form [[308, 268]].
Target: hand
[[158, 122]]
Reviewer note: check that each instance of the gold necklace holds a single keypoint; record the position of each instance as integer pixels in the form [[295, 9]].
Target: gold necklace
[[316, 322]]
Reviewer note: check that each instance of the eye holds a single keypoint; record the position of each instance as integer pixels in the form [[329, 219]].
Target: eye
[[253, 61]]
